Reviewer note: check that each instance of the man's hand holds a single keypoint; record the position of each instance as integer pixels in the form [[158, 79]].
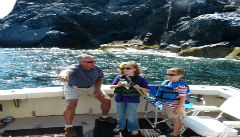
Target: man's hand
[[96, 93], [63, 78]]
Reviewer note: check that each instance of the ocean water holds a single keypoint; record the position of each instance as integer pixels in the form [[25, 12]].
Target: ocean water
[[39, 67]]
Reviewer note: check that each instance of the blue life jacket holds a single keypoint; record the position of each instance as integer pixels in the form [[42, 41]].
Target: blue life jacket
[[166, 92]]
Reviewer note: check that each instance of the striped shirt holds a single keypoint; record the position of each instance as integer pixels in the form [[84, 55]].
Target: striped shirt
[[182, 90]]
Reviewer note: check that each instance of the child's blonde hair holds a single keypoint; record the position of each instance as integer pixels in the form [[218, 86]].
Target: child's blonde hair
[[179, 71], [133, 64]]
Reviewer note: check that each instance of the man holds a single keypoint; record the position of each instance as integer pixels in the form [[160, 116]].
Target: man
[[83, 78]]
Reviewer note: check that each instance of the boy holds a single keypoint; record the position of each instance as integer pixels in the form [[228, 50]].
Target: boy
[[175, 110]]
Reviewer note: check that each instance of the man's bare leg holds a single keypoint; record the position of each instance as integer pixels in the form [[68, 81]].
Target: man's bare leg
[[105, 106], [70, 111], [69, 115]]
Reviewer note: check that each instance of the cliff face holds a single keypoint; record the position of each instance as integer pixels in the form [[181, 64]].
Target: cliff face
[[90, 23]]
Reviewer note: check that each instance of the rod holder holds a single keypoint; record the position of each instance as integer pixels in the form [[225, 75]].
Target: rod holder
[[16, 103], [1, 108]]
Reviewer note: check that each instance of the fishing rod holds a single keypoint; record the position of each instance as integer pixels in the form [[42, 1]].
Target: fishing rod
[[139, 91], [89, 36], [97, 44], [82, 29], [94, 41]]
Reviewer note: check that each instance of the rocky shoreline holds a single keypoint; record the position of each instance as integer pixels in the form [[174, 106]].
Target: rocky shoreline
[[200, 28], [205, 52]]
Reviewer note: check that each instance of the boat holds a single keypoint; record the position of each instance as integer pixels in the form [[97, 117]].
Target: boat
[[31, 109]]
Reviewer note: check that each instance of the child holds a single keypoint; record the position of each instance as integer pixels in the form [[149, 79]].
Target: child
[[127, 87], [175, 110]]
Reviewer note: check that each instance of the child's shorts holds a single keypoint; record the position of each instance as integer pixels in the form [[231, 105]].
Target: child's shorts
[[73, 92], [169, 112]]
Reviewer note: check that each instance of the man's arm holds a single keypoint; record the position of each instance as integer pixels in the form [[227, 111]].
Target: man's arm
[[63, 76]]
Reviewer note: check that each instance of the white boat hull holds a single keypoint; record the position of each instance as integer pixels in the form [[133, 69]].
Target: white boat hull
[[31, 102]]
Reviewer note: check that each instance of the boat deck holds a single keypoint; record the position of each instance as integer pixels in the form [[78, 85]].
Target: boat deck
[[22, 104], [87, 126]]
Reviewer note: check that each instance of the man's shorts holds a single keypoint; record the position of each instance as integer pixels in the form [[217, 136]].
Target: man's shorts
[[169, 112], [73, 92]]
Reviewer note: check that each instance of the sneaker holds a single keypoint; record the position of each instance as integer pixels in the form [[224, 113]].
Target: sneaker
[[169, 135], [108, 119], [134, 133], [116, 130], [70, 132]]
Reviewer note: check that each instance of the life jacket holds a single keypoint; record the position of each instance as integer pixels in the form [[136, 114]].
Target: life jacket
[[130, 91], [166, 91]]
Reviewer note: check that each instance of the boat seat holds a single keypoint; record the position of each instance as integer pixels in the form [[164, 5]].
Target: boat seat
[[213, 128], [153, 100], [209, 126], [228, 91]]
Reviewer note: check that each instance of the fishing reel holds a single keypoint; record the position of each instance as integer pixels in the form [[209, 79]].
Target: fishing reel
[[127, 85]]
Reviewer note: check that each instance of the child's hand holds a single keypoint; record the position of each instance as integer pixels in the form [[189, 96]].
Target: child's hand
[[136, 86], [177, 110], [119, 84]]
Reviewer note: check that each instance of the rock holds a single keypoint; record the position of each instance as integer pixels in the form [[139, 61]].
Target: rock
[[188, 44], [206, 29], [201, 7], [172, 37], [178, 9], [235, 54], [22, 35], [219, 50], [230, 8], [173, 48], [90, 23], [87, 24], [56, 38], [163, 45], [126, 43], [147, 39]]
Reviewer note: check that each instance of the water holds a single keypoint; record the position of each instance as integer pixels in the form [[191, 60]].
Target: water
[[36, 67]]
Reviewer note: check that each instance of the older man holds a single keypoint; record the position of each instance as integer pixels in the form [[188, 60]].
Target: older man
[[83, 78]]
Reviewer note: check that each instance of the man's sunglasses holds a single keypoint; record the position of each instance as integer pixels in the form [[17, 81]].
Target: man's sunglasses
[[89, 61], [126, 68], [171, 74]]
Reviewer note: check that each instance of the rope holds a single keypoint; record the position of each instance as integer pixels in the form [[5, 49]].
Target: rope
[[4, 122]]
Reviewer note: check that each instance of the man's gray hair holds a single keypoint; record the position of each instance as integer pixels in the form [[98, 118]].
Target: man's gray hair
[[82, 56]]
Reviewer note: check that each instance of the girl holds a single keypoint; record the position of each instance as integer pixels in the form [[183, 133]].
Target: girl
[[127, 87]]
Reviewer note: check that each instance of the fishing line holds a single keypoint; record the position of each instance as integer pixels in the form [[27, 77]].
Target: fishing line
[[81, 29], [91, 38], [17, 2]]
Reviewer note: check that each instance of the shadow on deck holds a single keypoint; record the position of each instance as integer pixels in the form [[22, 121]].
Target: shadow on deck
[[101, 129]]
